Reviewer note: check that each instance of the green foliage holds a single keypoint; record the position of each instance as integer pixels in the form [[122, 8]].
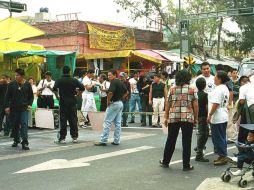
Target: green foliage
[[202, 30]]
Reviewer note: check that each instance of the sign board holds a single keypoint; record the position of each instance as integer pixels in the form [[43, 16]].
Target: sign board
[[44, 118]]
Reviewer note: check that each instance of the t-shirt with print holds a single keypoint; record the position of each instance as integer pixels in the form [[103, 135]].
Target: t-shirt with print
[[220, 96], [86, 82], [210, 86], [247, 93], [133, 82]]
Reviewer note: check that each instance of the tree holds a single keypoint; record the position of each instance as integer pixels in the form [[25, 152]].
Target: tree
[[201, 31]]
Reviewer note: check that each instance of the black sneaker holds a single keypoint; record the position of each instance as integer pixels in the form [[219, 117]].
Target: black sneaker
[[143, 125], [188, 168], [113, 143], [15, 144], [100, 144], [131, 122], [25, 147], [162, 164], [201, 159]]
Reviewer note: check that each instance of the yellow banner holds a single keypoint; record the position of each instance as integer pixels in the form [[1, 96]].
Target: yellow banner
[[111, 39]]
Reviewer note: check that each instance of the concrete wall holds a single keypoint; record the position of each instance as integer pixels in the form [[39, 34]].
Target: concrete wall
[[73, 36]]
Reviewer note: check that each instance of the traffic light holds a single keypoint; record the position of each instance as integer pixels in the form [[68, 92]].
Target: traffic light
[[189, 60], [17, 7]]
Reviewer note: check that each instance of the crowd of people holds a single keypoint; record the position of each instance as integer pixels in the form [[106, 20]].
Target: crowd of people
[[214, 104]]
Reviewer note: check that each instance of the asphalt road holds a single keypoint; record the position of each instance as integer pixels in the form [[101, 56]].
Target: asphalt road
[[131, 165]]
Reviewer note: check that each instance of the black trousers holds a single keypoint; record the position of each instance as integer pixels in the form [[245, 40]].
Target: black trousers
[[173, 131], [68, 113], [45, 102], [242, 135], [146, 107], [2, 114], [103, 103], [203, 134]]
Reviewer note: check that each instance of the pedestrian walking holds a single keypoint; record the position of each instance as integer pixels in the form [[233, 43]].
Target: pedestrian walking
[[116, 92], [157, 99], [181, 111], [88, 103], [18, 101], [218, 116], [67, 87]]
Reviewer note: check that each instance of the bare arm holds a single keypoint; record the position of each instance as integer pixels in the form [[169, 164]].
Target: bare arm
[[150, 95], [110, 95], [214, 108]]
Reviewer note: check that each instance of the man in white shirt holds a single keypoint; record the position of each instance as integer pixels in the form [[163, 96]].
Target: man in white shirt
[[46, 94], [135, 98], [88, 103], [247, 95], [104, 86], [206, 74]]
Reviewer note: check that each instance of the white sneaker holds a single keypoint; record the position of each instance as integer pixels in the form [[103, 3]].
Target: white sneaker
[[74, 140], [60, 141], [238, 172], [84, 126]]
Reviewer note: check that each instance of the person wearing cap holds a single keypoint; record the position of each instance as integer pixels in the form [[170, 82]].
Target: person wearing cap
[[123, 77], [45, 92]]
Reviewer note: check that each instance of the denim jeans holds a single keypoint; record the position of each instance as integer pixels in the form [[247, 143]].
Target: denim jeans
[[219, 138], [19, 124], [135, 99], [126, 107], [113, 114], [202, 136]]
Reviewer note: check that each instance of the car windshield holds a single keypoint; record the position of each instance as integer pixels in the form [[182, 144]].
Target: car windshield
[[246, 68]]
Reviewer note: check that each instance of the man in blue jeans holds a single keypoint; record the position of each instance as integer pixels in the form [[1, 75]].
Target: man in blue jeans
[[135, 97], [116, 92], [18, 101]]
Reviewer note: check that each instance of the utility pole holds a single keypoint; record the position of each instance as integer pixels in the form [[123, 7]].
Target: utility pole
[[180, 30], [219, 37], [10, 10]]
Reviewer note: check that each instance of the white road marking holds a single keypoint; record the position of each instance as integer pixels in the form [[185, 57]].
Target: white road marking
[[81, 162], [71, 146], [192, 158]]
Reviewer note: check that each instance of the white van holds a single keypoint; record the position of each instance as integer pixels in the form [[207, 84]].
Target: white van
[[246, 66]]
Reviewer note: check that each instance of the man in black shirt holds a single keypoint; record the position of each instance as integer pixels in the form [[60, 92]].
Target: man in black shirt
[[3, 89], [116, 92], [67, 89], [157, 99], [18, 101], [203, 129]]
